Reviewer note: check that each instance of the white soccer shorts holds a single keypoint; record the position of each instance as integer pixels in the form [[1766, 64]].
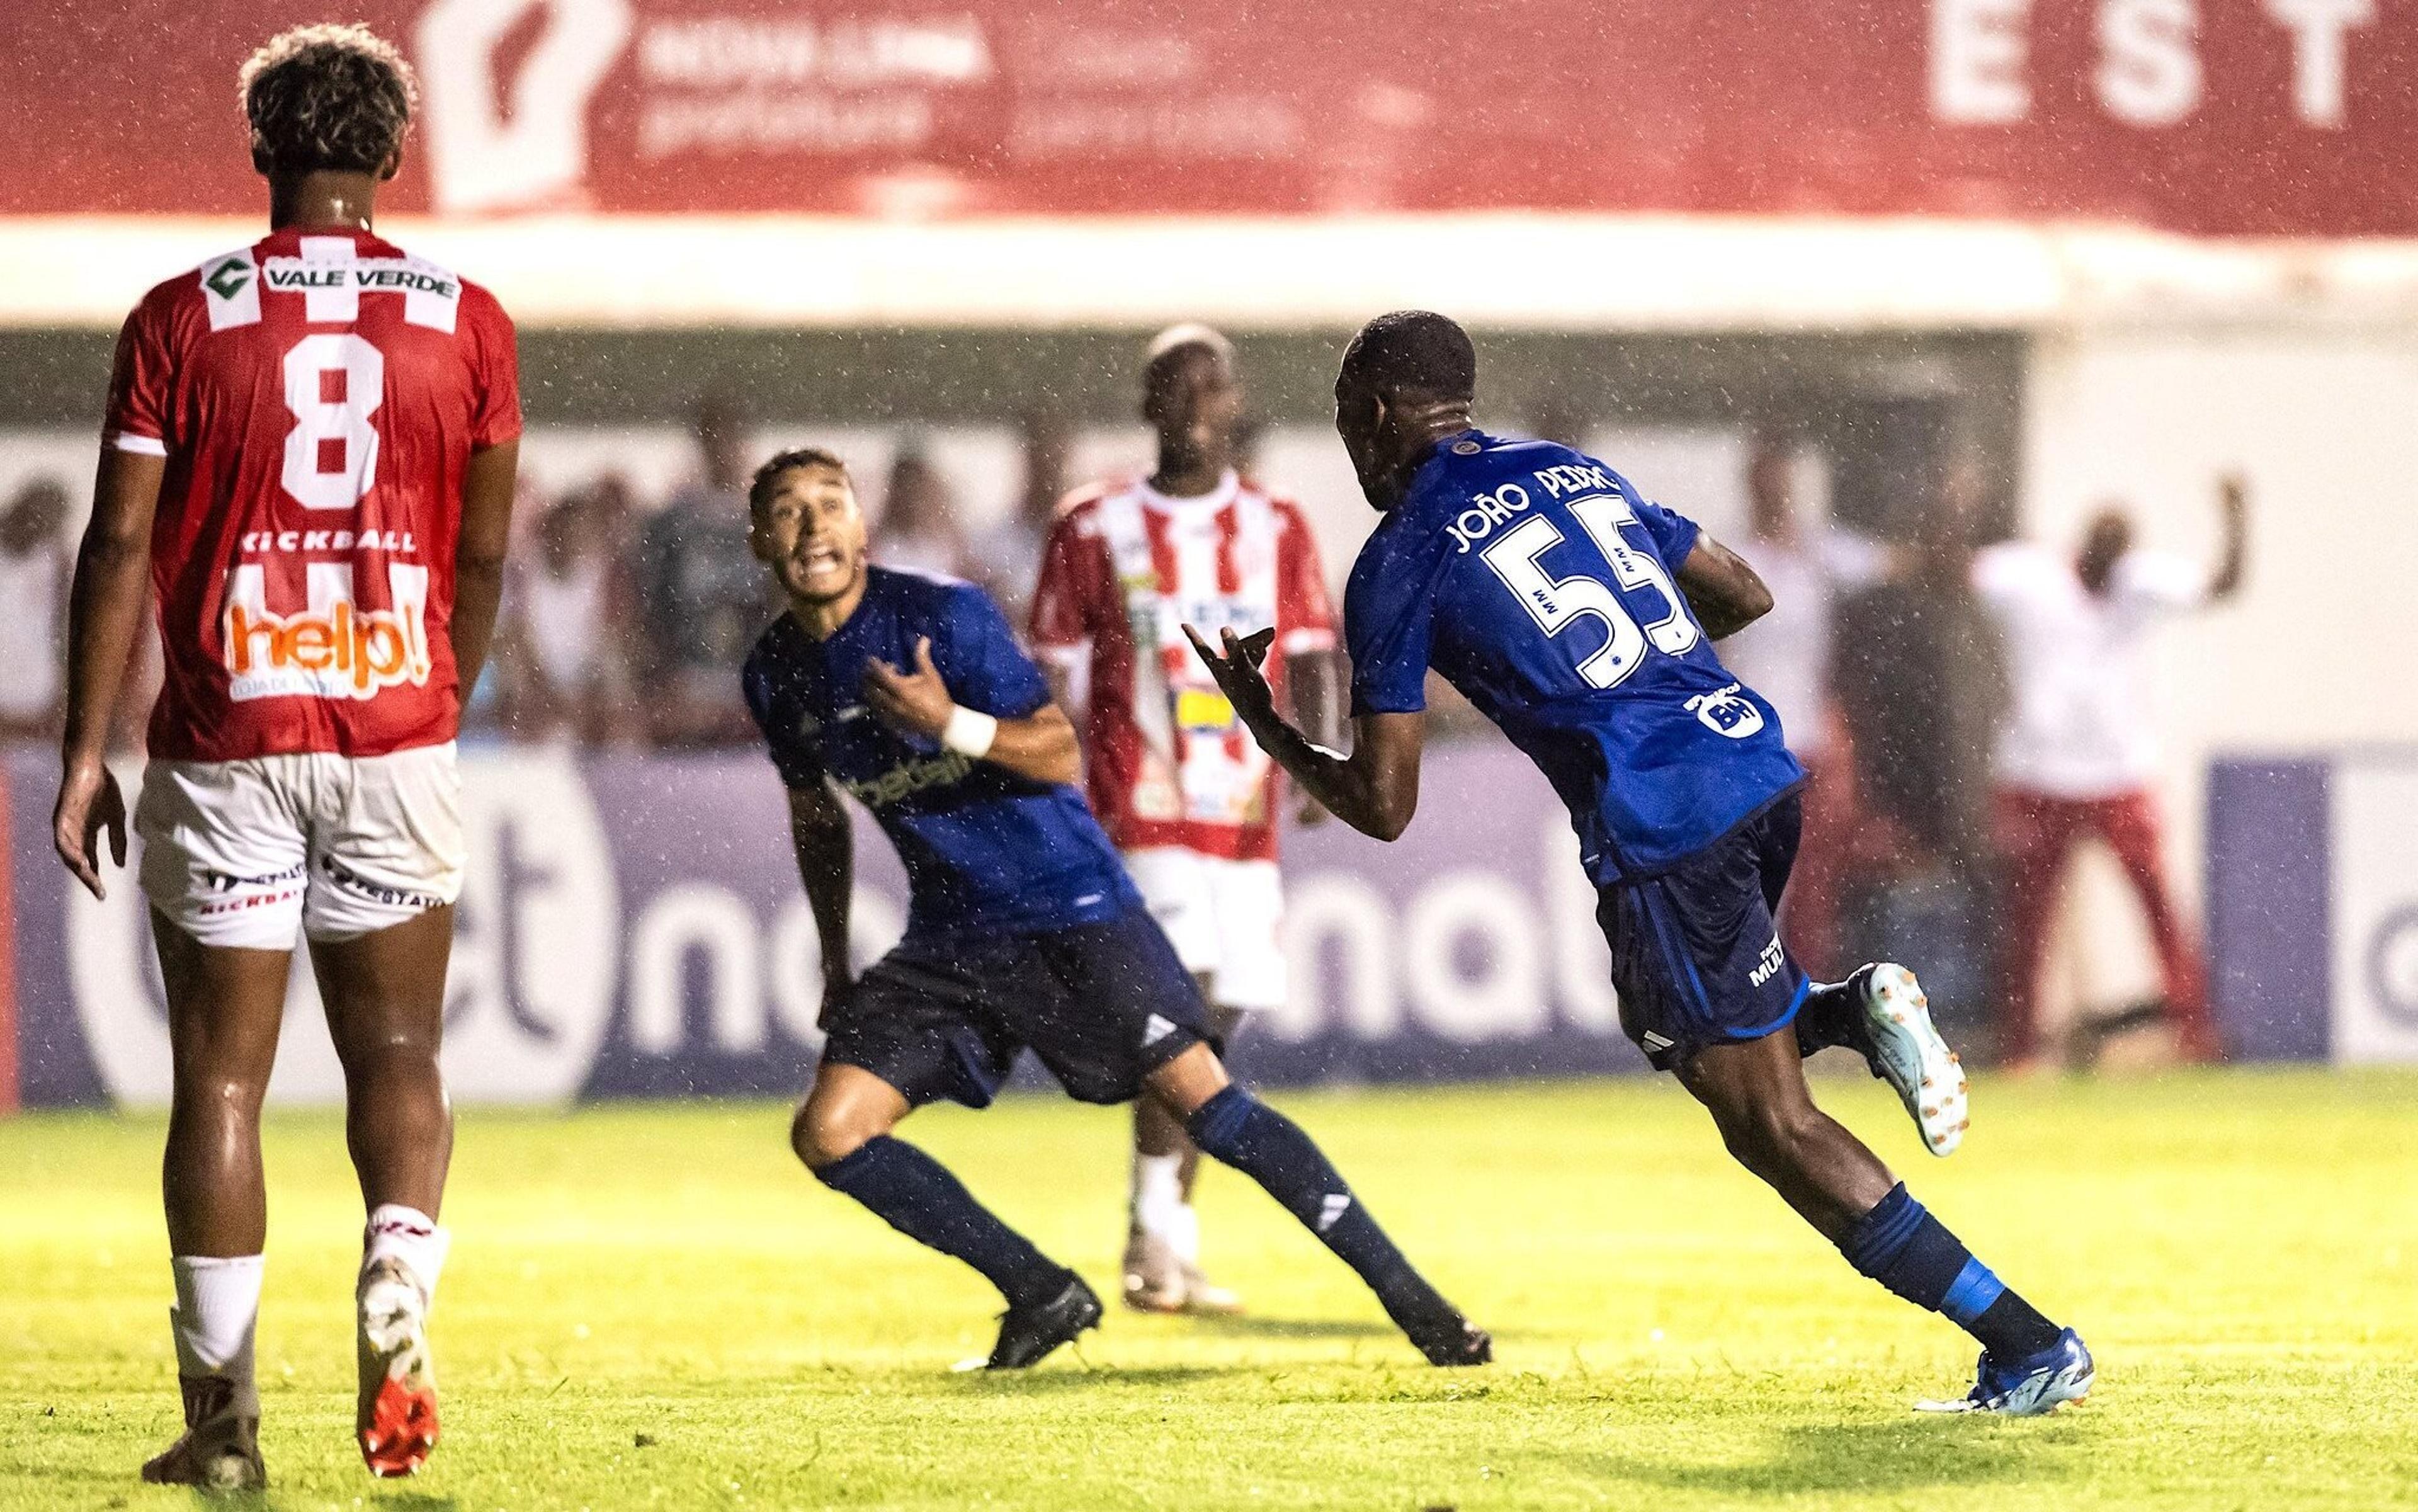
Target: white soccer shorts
[[244, 854], [1222, 917]]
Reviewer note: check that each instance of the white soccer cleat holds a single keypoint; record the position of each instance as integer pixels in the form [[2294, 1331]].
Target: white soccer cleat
[[397, 1418], [1907, 1053], [219, 1451]]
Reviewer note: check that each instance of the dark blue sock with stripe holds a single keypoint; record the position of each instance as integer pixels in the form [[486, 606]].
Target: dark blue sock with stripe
[[916, 1195], [1271, 1149], [1900, 1244]]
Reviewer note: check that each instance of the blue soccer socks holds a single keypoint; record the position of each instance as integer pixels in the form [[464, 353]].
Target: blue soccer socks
[[1271, 1149], [1900, 1244], [916, 1195]]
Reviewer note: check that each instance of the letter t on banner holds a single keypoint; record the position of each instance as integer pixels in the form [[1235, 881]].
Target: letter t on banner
[[2320, 38]]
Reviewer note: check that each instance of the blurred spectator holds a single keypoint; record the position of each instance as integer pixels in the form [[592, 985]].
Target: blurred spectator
[[34, 571], [2075, 755], [919, 527], [1786, 656], [563, 641], [1923, 687], [1006, 558], [702, 597]]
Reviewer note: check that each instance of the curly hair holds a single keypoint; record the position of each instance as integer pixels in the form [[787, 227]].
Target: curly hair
[[326, 97]]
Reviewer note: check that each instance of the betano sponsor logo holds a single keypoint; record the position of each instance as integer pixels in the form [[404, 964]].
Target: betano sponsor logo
[[911, 778], [334, 647]]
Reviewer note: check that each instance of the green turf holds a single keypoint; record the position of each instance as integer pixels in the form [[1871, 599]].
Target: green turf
[[651, 1306]]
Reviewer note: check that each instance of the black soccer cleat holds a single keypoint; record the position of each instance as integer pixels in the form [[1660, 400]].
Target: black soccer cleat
[[1028, 1334], [1455, 1342]]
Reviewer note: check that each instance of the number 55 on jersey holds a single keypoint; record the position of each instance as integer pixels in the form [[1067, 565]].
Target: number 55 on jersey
[[1539, 583]]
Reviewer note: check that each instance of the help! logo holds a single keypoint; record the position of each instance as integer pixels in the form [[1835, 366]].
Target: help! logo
[[334, 649]]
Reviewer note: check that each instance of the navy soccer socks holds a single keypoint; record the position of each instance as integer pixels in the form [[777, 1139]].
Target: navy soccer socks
[[916, 1195], [1900, 1244], [1271, 1149]]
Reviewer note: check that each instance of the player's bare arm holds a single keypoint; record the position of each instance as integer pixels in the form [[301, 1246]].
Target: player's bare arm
[[105, 613], [1721, 589], [478, 556], [1041, 746], [1314, 687], [825, 848], [1375, 789], [2233, 507]]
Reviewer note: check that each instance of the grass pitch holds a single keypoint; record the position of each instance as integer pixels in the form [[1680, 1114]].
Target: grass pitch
[[652, 1307]]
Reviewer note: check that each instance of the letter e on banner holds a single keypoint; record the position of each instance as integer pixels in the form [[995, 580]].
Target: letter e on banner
[[1977, 48]]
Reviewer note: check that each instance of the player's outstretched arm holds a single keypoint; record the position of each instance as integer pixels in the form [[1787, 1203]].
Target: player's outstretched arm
[[479, 557], [1725, 593], [1041, 746], [826, 852], [104, 611], [1375, 789]]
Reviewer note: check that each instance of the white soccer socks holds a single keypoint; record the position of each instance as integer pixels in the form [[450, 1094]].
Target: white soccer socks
[[216, 1313], [1159, 1209], [412, 1237]]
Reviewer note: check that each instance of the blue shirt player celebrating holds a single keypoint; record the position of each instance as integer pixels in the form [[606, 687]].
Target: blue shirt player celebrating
[[1579, 618], [1023, 932]]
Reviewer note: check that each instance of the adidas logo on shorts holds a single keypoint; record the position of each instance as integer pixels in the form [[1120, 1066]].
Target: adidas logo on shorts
[[1155, 1030]]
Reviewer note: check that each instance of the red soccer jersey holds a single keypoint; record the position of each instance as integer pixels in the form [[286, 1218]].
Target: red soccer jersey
[[317, 396], [1125, 570]]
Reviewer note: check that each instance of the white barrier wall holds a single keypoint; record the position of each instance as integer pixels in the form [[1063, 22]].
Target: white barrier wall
[[2316, 653]]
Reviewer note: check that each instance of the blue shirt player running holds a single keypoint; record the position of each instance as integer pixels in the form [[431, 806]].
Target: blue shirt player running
[[1579, 618], [1023, 932]]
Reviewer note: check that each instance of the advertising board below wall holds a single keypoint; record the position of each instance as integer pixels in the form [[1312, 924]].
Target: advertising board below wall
[[633, 925], [2313, 906]]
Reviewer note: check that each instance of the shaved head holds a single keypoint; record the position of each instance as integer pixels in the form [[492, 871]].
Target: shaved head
[[1413, 353]]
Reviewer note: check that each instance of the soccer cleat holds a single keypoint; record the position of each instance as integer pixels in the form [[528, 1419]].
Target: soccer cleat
[[396, 1422], [1202, 1297], [219, 1449], [2062, 1373], [1897, 1038], [1154, 1279], [1453, 1340], [1157, 1279], [1027, 1333]]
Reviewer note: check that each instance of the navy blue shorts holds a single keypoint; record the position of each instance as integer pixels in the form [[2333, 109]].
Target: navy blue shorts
[[1102, 1005], [1695, 953]]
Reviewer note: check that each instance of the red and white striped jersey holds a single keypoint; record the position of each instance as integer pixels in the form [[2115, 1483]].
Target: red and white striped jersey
[[1125, 570], [317, 396]]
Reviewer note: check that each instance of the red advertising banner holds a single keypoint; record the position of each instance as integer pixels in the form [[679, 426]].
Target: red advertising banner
[[2292, 117]]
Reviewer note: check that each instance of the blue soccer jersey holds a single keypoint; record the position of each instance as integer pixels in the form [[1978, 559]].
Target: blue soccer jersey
[[985, 849], [1537, 581]]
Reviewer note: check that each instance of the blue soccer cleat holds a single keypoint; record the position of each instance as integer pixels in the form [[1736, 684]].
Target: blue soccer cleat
[[2027, 1388]]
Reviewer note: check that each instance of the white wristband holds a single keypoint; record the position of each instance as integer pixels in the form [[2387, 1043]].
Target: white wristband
[[968, 732]]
